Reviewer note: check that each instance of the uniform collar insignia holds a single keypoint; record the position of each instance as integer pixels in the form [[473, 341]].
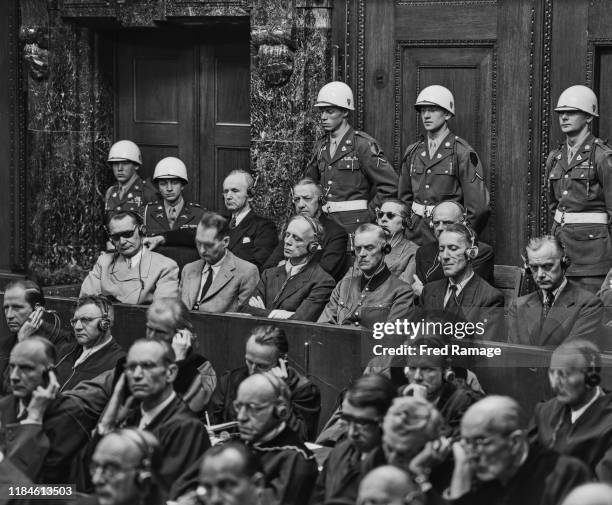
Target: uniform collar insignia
[[579, 158], [343, 148], [423, 153], [587, 147], [558, 156], [348, 142], [447, 144]]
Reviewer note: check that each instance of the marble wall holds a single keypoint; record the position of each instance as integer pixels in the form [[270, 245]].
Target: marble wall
[[70, 117]]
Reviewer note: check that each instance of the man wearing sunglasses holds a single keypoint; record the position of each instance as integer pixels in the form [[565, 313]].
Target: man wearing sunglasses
[[132, 274], [144, 397], [494, 463]]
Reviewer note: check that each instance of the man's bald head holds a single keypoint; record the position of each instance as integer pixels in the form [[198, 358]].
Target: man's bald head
[[595, 493], [445, 214], [498, 414], [37, 348], [28, 364], [388, 484]]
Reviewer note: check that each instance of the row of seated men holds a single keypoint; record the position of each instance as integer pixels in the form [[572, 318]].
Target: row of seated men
[[132, 431], [311, 277]]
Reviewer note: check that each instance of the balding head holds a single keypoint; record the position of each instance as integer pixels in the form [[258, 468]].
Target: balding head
[[28, 364], [388, 484], [595, 493], [499, 414], [445, 214]]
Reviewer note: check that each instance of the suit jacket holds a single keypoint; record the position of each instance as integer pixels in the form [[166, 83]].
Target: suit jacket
[[306, 293], [155, 277], [331, 256], [230, 289], [10, 475], [576, 313], [479, 302], [254, 239]]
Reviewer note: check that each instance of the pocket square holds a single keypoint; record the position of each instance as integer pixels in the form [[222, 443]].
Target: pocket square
[[246, 240]]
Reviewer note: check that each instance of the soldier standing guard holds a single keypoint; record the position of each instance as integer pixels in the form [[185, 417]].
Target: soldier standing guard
[[580, 189], [171, 222], [130, 191], [440, 168], [349, 164]]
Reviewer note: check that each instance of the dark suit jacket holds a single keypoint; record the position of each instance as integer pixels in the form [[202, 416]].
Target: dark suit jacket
[[426, 263], [306, 293], [480, 302], [254, 239], [576, 313], [331, 256], [10, 475]]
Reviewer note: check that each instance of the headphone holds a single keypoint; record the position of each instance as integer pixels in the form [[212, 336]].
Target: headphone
[[461, 208], [132, 211], [104, 323], [144, 473], [282, 407], [564, 260], [472, 251], [315, 245], [405, 214], [385, 249]]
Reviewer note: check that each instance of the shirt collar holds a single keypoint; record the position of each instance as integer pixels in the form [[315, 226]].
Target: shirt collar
[[460, 285], [575, 414], [339, 134], [440, 135], [149, 415], [579, 141], [241, 214], [89, 351], [134, 260], [129, 183], [557, 291], [178, 206], [294, 269], [216, 266]]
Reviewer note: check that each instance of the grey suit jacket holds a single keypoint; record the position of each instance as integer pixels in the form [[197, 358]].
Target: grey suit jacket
[[231, 287]]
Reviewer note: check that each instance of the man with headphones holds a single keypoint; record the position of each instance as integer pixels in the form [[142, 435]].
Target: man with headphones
[[463, 294], [373, 294], [252, 237], [559, 309], [428, 266], [308, 200], [124, 469], [300, 288], [132, 274], [95, 350], [578, 420]]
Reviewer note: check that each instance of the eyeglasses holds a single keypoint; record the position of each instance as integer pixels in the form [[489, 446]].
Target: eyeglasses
[[251, 408], [360, 423], [146, 366], [109, 470], [477, 443], [83, 320], [115, 237], [390, 215]]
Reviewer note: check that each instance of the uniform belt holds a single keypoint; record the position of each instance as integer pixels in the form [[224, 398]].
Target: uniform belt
[[330, 207], [422, 210], [581, 217]]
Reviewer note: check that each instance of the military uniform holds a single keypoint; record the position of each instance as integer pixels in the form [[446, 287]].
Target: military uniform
[[580, 195], [180, 239], [137, 195], [454, 173], [349, 178]]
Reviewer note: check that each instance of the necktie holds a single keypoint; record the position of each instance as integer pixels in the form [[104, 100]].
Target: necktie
[[332, 148], [171, 216], [549, 298], [432, 148], [129, 262], [453, 304], [23, 415], [232, 224], [204, 289]]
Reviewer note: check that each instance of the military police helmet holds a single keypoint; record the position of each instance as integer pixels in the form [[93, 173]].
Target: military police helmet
[[125, 150], [170, 168], [336, 94], [578, 98], [436, 95]]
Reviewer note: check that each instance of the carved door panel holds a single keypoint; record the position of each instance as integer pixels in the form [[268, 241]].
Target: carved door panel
[[483, 50]]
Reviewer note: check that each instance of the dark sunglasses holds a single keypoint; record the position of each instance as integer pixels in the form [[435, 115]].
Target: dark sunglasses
[[390, 215], [115, 237]]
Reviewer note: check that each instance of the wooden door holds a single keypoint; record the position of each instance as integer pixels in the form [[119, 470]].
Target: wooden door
[[483, 50]]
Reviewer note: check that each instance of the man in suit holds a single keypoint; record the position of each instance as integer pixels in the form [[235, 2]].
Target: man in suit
[[171, 222], [252, 237], [132, 274], [300, 288], [560, 309], [95, 350], [308, 199], [463, 294], [428, 266], [150, 403], [220, 281], [374, 295]]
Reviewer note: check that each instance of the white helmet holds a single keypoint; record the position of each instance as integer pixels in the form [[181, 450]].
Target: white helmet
[[170, 168], [336, 94], [578, 98], [125, 150], [436, 95]]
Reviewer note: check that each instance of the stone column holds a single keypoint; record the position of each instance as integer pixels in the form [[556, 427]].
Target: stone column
[[290, 52], [68, 131]]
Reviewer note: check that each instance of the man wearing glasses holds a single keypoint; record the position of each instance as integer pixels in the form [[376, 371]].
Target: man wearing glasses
[[494, 462], [132, 274], [95, 350], [124, 469], [144, 397], [363, 410]]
